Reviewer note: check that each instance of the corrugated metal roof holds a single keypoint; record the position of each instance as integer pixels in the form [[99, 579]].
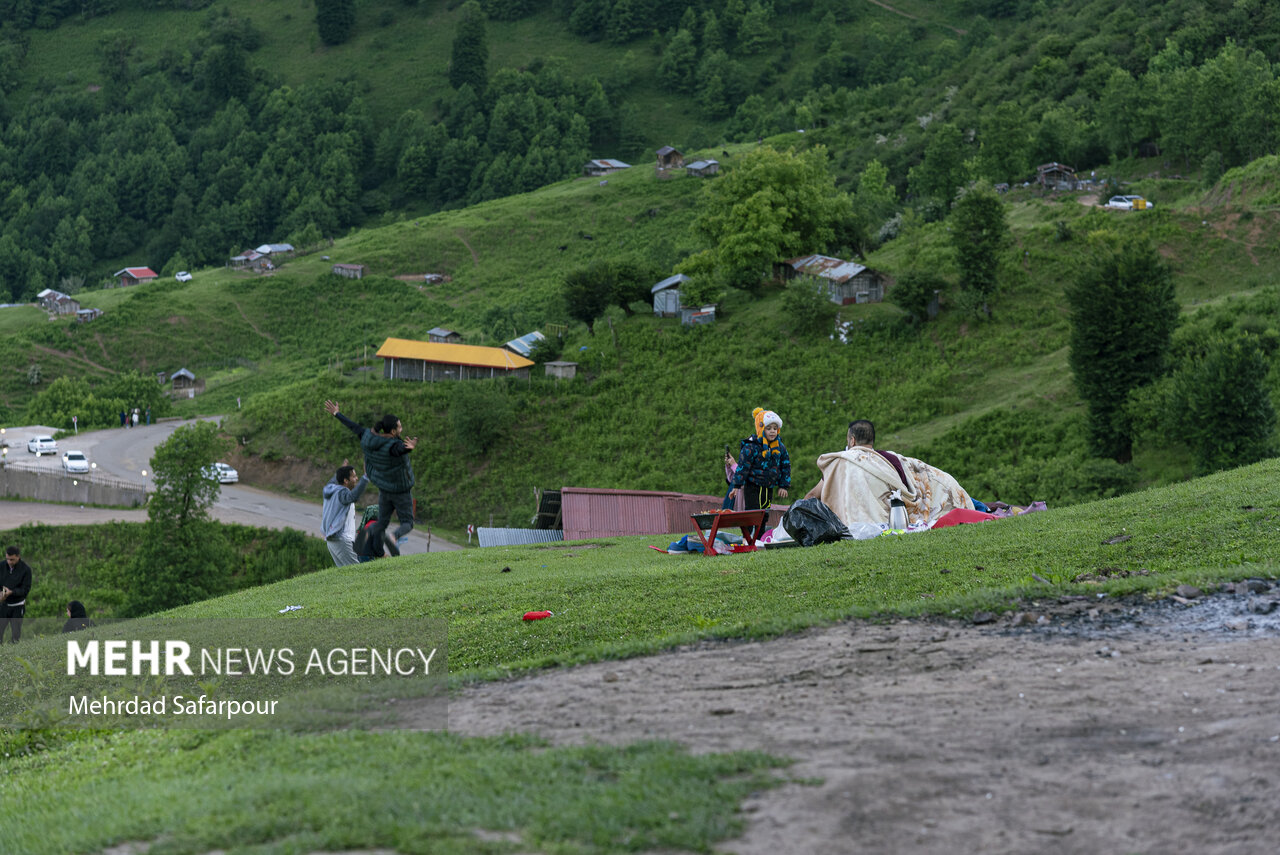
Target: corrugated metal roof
[[137, 272], [701, 164], [669, 282], [452, 354], [524, 344], [666, 149], [441, 331], [517, 536], [826, 267], [609, 163]]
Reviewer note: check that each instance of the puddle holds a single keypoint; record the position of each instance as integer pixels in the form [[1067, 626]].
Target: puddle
[[1224, 615]]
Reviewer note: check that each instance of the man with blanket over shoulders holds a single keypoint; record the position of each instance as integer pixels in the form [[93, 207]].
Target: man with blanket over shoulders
[[858, 482]]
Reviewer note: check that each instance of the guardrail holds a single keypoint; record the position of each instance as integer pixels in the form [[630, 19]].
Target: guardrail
[[21, 480]]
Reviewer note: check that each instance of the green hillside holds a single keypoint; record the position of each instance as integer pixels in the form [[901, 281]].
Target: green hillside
[[991, 400]]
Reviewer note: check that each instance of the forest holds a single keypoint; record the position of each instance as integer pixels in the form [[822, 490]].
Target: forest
[[177, 155]]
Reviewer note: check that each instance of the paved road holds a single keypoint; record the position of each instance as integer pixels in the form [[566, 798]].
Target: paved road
[[125, 453]]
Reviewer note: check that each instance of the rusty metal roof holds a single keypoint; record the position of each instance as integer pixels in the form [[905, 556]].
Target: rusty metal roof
[[826, 267]]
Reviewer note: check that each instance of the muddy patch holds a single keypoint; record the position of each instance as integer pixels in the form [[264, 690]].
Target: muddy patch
[[1075, 725]]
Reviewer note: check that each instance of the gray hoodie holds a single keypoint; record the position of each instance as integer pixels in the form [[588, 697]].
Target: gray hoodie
[[338, 506]]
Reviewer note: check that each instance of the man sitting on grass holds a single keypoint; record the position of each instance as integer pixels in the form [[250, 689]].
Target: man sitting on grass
[[858, 482]]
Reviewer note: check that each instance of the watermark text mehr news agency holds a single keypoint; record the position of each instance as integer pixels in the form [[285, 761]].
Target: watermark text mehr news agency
[[120, 658]]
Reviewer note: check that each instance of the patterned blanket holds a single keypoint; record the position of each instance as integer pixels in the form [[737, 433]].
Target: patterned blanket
[[856, 485]]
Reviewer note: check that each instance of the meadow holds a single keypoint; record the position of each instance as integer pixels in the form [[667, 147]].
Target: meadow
[[431, 792]]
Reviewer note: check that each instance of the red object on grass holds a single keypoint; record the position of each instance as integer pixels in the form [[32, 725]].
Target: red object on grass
[[959, 516], [536, 615]]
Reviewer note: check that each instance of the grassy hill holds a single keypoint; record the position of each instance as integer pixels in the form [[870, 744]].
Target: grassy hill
[[989, 400], [428, 792]]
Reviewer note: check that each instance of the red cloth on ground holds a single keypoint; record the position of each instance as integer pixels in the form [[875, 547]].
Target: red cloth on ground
[[959, 516]]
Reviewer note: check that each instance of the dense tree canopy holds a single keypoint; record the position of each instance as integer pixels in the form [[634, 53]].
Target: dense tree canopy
[[774, 205]]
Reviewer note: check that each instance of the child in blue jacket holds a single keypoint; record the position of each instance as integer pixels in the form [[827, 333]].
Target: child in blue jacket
[[763, 463]]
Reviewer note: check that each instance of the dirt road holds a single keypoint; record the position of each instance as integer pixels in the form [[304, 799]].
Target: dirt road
[[1155, 730]]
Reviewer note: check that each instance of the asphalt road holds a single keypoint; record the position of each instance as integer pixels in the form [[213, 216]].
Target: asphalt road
[[125, 453]]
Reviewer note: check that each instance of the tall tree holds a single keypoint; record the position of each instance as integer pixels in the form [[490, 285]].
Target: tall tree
[[979, 232], [1223, 405], [336, 20], [1123, 312], [469, 58], [1005, 143], [942, 171], [184, 556]]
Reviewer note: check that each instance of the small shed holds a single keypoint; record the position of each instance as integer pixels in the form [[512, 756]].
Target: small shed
[[846, 281], [444, 336], [666, 296], [1057, 176], [562, 370], [694, 315], [56, 302], [86, 315], [246, 258], [276, 250], [702, 168], [349, 271], [134, 276], [670, 158], [182, 379], [604, 166], [525, 344]]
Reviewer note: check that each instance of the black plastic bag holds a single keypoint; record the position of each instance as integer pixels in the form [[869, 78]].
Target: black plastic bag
[[810, 522]]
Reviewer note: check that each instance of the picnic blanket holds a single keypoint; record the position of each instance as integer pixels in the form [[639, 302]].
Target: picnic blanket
[[856, 484]]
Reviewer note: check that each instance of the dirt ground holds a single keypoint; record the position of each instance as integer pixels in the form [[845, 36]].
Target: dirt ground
[[1093, 727]]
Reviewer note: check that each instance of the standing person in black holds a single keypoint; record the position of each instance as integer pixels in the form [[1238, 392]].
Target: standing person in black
[[386, 462], [15, 584]]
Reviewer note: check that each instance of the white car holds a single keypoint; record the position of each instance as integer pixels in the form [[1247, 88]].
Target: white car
[[39, 445], [75, 461], [1129, 203], [182, 276], [222, 473]]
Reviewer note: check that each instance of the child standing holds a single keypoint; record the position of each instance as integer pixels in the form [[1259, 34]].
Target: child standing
[[763, 463]]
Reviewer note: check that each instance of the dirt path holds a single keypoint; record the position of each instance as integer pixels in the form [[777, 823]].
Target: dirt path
[[1124, 734], [462, 236], [914, 17], [74, 357]]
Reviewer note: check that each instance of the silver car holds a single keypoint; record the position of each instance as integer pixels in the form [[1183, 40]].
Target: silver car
[[39, 445]]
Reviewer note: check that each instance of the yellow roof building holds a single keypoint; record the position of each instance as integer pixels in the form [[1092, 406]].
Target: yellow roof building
[[453, 354]]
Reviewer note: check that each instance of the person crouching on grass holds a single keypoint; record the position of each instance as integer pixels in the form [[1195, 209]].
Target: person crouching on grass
[[763, 463]]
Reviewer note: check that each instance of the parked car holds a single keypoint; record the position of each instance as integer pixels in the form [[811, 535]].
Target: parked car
[[222, 473], [182, 276], [75, 461], [39, 445], [1129, 203]]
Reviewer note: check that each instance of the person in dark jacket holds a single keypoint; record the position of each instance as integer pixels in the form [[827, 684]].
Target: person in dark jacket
[[77, 617], [763, 463], [15, 584], [386, 463]]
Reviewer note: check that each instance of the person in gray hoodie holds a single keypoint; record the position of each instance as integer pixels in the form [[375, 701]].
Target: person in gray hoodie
[[386, 462], [338, 515]]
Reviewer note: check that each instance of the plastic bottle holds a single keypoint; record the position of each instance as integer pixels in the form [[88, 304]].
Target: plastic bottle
[[897, 511]]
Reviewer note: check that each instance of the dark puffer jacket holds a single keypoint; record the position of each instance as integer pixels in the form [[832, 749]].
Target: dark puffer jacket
[[386, 459]]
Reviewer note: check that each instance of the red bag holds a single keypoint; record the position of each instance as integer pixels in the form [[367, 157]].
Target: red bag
[[536, 615]]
